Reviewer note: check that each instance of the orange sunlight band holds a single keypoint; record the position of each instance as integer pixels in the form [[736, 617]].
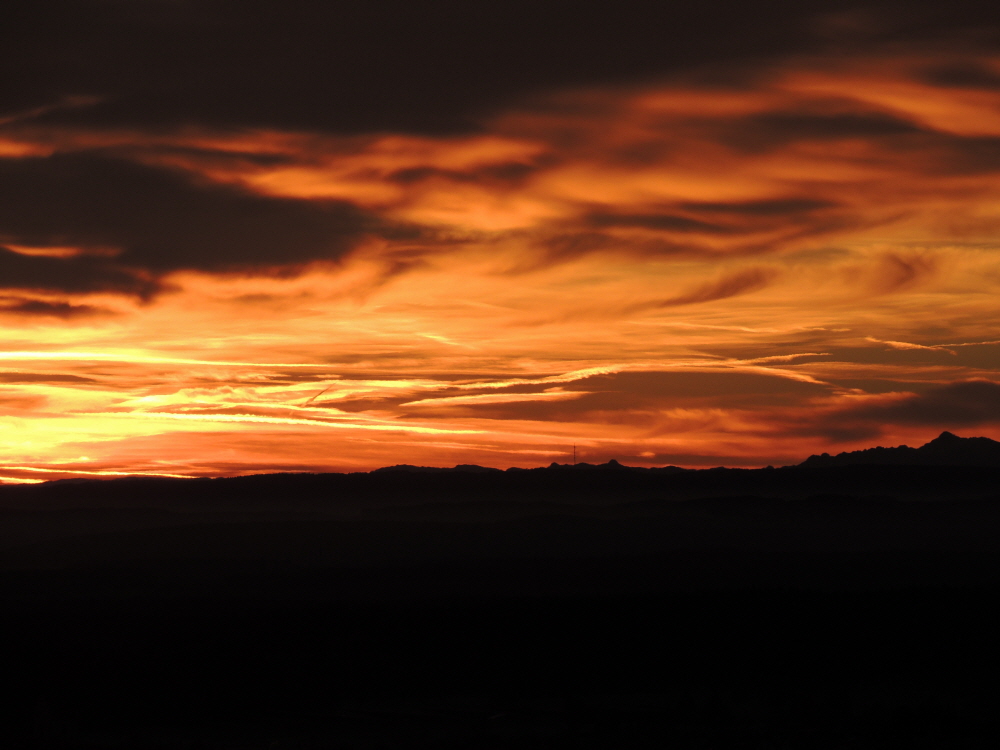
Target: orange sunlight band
[[251, 418]]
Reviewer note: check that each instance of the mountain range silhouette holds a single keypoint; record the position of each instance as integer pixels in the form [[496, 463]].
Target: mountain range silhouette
[[946, 449], [497, 607], [554, 529]]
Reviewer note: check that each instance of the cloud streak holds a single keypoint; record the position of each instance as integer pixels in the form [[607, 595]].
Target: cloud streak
[[741, 282]]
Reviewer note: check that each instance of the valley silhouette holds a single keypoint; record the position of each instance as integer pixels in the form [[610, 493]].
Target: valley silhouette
[[578, 605]]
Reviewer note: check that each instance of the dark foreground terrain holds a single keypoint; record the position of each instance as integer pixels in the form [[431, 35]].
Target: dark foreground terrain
[[846, 606]]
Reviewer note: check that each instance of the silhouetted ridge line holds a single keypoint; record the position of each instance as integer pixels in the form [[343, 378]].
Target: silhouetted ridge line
[[583, 466], [611, 465], [946, 449], [471, 468]]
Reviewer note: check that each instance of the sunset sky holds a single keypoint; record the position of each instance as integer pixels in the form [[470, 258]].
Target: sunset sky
[[243, 237]]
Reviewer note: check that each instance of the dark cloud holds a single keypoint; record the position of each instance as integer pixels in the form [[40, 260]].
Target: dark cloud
[[841, 432], [77, 274], [42, 377], [205, 156], [666, 222], [955, 405], [957, 155], [569, 244], [781, 207], [379, 66], [680, 388], [968, 75], [365, 65], [773, 130], [967, 403], [156, 221], [746, 228], [741, 282], [42, 308], [511, 172]]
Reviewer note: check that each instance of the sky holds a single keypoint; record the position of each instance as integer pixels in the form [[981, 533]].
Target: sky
[[245, 237]]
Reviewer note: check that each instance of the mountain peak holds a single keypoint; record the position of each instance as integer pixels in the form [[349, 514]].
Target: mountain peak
[[948, 438]]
